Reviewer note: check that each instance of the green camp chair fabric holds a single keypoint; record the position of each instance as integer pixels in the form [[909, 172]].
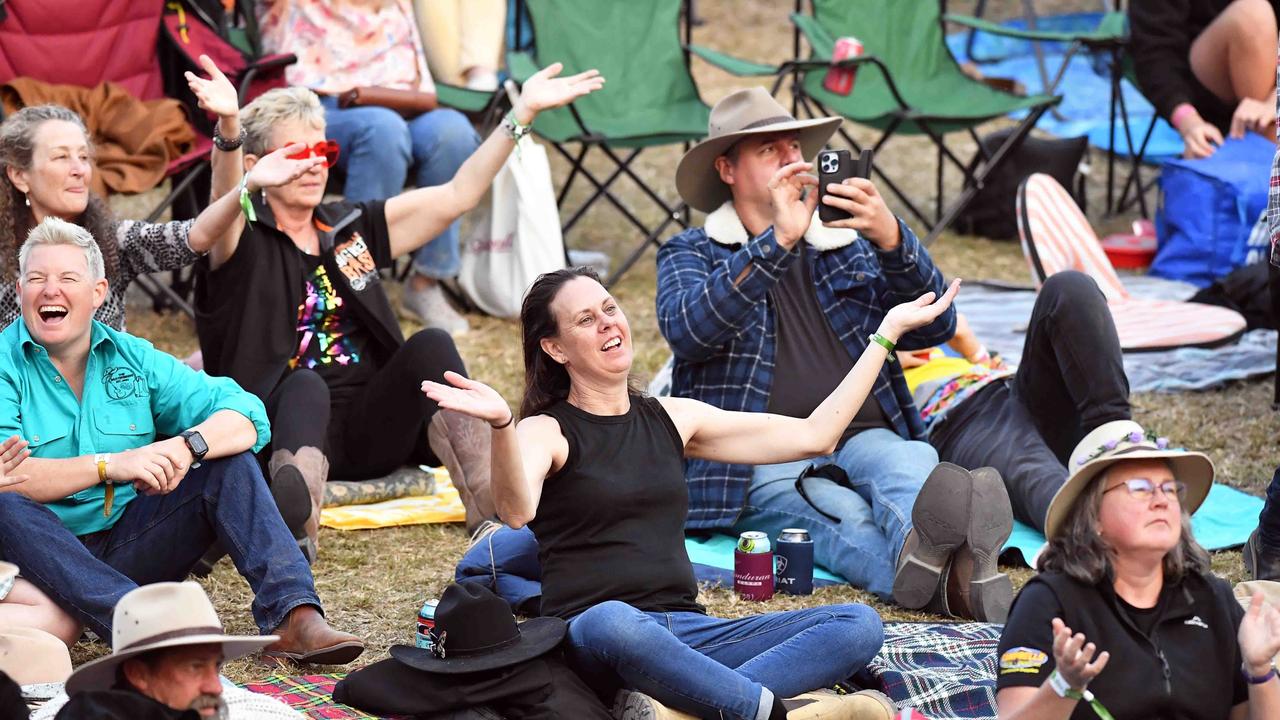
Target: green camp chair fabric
[[1112, 27], [649, 97], [906, 35], [464, 99]]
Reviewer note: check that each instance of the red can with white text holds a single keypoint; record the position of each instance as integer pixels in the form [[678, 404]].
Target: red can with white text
[[753, 566], [839, 80]]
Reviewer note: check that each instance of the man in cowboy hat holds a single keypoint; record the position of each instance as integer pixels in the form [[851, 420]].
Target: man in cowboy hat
[[138, 464], [168, 647], [766, 310]]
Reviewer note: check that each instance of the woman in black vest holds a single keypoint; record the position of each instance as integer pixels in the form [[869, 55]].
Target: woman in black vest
[[596, 470], [294, 309], [1123, 575]]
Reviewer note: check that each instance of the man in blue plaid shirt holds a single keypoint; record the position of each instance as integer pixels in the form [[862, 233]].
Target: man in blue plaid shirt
[[761, 321]]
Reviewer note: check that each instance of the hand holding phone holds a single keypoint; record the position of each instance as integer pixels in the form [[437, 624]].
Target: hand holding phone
[[836, 166]]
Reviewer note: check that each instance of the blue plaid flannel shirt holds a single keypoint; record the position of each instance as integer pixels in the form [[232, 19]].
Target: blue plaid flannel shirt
[[713, 310]]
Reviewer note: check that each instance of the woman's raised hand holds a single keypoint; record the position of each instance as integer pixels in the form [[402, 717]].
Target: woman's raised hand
[[469, 397], [906, 317], [544, 90], [217, 94], [12, 452], [1259, 636], [277, 168], [1074, 658]]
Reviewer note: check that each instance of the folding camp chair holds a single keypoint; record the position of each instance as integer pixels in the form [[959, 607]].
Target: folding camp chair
[[650, 99], [910, 84], [1056, 236], [119, 46]]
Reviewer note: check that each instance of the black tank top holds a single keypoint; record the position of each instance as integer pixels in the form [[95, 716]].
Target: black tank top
[[610, 524]]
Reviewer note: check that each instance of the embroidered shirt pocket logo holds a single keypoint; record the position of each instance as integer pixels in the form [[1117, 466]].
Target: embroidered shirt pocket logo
[[1196, 621]]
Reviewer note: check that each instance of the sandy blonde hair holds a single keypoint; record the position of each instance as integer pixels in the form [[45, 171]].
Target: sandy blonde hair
[[274, 107], [56, 231]]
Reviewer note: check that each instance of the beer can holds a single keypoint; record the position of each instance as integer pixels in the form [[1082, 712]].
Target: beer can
[[839, 80], [753, 566], [426, 624], [793, 560]]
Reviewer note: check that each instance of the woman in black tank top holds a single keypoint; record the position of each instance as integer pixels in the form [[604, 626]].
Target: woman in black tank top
[[596, 470]]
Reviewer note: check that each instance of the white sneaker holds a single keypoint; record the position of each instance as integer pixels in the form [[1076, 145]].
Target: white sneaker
[[830, 705], [632, 705], [432, 307]]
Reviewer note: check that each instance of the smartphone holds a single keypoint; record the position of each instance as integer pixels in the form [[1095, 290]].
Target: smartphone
[[835, 166]]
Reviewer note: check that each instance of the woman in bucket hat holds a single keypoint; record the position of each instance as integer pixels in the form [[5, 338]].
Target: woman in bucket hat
[[1126, 619]]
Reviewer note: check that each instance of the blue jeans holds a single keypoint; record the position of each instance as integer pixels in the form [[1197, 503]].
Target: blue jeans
[[886, 473], [713, 667], [378, 148], [159, 538]]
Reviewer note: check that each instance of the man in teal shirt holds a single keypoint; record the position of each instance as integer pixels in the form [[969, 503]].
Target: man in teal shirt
[[106, 505]]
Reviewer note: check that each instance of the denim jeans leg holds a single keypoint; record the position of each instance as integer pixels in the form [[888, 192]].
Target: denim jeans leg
[[788, 652], [160, 537], [54, 560], [642, 652], [373, 149], [888, 472], [442, 140], [854, 547]]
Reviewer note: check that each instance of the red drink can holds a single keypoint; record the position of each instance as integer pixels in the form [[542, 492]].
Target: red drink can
[[753, 566], [426, 624], [839, 80]]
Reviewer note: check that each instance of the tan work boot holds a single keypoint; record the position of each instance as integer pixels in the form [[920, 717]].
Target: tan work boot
[[462, 443], [306, 637], [312, 464], [830, 705], [634, 705]]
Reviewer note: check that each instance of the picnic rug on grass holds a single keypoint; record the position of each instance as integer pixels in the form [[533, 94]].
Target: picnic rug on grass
[[311, 695], [946, 671]]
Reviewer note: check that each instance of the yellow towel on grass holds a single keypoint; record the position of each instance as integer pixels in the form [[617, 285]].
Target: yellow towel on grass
[[443, 507]]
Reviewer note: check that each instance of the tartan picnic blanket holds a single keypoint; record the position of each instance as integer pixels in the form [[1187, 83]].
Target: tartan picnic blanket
[[946, 671], [311, 695]]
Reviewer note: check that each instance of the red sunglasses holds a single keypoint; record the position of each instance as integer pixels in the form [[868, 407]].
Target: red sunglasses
[[327, 149]]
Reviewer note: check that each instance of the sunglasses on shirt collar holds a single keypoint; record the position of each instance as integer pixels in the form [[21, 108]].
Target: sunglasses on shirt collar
[[327, 149]]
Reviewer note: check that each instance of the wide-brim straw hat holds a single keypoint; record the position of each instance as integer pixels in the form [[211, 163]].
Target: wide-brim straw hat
[[161, 615], [746, 112], [1119, 440]]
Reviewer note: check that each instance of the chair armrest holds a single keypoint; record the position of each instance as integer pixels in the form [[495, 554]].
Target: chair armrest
[[733, 65], [521, 65], [1111, 28], [464, 99]]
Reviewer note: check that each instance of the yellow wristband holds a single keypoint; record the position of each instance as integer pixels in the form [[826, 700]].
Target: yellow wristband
[[101, 459]]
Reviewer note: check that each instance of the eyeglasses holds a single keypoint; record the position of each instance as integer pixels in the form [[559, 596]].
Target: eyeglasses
[[1144, 489], [327, 149]]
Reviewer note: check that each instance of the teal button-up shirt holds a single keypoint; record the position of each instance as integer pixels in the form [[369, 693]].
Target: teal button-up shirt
[[132, 394]]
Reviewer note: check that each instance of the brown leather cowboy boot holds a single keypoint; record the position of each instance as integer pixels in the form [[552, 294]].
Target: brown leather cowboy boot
[[306, 637], [462, 443]]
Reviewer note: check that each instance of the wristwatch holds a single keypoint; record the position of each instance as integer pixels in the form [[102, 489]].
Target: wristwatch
[[196, 444]]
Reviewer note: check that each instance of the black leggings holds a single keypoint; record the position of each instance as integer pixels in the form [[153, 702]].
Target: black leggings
[[382, 426]]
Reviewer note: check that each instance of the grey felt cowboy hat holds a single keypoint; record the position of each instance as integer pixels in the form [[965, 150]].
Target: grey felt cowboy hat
[[746, 112], [161, 615], [1118, 440]]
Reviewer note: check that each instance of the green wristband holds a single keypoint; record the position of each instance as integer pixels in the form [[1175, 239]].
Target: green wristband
[[883, 342], [246, 204]]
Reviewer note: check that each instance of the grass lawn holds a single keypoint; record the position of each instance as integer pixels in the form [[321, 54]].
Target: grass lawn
[[372, 582]]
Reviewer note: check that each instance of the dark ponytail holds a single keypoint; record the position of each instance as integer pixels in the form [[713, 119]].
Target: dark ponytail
[[546, 381]]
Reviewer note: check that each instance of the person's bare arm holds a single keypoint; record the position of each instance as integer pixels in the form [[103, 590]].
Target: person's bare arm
[[416, 216], [523, 455], [764, 438]]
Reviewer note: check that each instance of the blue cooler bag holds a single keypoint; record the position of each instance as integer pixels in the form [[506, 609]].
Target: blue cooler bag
[[1208, 207]]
